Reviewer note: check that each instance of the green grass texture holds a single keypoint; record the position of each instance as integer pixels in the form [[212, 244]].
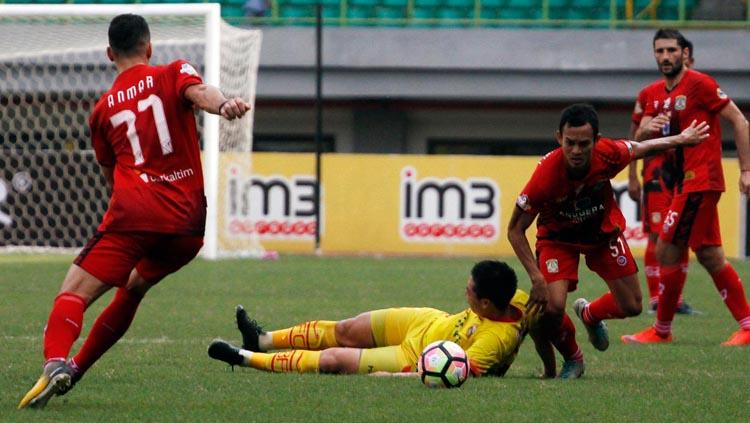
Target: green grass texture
[[160, 372]]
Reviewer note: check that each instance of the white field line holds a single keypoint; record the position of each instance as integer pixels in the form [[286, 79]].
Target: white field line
[[126, 340]]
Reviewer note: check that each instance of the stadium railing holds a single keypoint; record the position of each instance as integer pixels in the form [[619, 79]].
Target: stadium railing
[[462, 13], [490, 13]]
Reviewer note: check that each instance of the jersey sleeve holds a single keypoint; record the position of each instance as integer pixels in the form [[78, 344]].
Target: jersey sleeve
[[638, 109], [534, 195], [649, 109], [617, 153], [185, 76], [711, 95], [490, 351], [105, 155]]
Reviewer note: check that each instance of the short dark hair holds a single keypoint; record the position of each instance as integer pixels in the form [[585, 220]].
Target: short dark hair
[[128, 34], [672, 34], [579, 114], [495, 281], [689, 46]]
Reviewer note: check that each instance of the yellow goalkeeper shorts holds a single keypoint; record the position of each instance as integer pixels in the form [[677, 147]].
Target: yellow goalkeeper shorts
[[398, 336]]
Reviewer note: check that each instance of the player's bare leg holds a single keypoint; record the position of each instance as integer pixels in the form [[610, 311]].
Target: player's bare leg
[[627, 294], [557, 327], [82, 283]]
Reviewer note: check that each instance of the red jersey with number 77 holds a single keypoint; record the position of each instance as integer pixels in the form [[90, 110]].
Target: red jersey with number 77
[[145, 129], [696, 97], [577, 211]]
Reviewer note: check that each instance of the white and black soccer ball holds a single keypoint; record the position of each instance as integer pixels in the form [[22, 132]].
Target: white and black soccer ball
[[443, 364]]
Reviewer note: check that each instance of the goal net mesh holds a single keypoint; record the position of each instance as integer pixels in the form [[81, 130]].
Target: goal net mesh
[[53, 69]]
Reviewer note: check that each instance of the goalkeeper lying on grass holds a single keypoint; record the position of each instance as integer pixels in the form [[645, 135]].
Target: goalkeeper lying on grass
[[390, 340]]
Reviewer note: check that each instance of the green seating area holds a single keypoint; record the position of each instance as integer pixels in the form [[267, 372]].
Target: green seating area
[[475, 12], [441, 12]]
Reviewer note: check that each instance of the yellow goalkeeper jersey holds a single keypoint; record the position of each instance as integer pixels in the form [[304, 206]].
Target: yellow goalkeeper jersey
[[491, 345]]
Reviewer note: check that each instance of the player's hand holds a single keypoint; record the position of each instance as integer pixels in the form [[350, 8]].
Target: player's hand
[[634, 189], [234, 108], [538, 298], [657, 124], [745, 182], [695, 133]]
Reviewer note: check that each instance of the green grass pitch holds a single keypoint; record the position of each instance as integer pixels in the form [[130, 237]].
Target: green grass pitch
[[160, 370]]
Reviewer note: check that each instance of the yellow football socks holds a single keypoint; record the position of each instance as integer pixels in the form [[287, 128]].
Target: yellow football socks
[[286, 361], [313, 335]]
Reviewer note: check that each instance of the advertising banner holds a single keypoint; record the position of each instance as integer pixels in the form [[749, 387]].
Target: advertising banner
[[405, 204], [273, 205], [410, 204]]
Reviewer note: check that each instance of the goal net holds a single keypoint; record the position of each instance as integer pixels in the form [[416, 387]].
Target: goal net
[[53, 69]]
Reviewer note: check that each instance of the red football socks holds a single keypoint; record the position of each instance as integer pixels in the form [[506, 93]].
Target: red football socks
[[673, 278], [730, 287], [63, 326], [653, 278], [109, 327], [563, 338], [602, 308]]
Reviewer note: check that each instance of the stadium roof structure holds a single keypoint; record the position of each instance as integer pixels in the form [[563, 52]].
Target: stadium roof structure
[[486, 64]]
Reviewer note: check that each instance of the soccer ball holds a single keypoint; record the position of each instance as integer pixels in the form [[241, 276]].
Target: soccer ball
[[443, 364]]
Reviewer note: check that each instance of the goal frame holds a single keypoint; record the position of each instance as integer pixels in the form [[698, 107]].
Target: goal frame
[[212, 65]]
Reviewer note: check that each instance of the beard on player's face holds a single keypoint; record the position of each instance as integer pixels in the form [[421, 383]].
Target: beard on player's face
[[670, 69]]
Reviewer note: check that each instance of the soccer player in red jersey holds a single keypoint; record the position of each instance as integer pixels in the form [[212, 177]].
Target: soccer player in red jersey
[[692, 219], [654, 195], [144, 134], [571, 193]]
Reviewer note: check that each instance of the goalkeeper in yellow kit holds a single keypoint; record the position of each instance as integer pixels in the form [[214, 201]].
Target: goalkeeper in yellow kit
[[390, 340]]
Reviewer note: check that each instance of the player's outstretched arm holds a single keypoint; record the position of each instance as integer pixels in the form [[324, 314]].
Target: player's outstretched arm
[[634, 184], [209, 98], [733, 114], [692, 135]]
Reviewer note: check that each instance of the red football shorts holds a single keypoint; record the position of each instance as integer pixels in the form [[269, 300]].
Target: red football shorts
[[655, 207], [656, 196], [693, 220], [559, 261], [111, 256]]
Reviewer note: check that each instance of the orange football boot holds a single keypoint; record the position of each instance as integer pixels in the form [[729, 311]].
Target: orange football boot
[[646, 336], [741, 337]]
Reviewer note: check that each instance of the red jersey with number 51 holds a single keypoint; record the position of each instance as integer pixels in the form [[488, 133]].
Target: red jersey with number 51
[[581, 211], [145, 129]]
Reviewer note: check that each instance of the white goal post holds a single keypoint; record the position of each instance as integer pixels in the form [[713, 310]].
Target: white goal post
[[52, 70]]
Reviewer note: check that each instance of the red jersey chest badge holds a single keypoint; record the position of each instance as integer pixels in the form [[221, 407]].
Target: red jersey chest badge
[[680, 102]]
